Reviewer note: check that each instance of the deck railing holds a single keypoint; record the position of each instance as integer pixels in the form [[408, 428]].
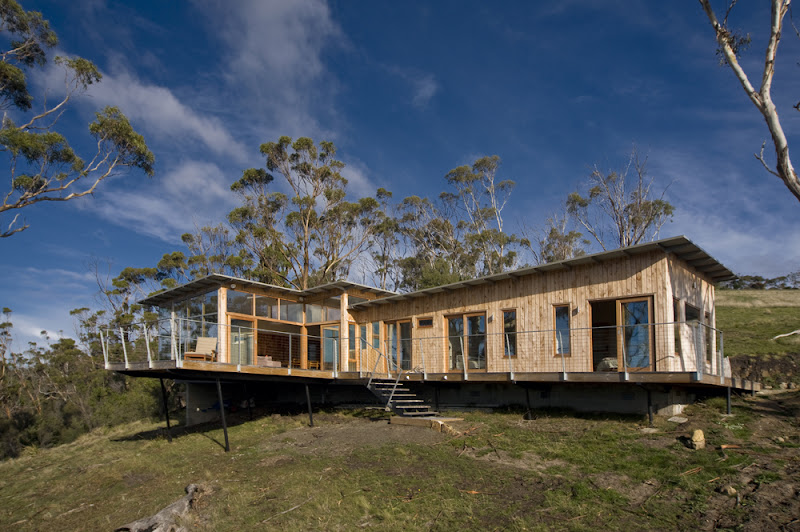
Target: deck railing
[[661, 347]]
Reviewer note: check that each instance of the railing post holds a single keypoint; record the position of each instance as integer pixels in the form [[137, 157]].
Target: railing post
[[336, 358], [624, 354], [721, 359], [463, 358], [147, 345], [424, 367], [510, 358], [173, 336], [700, 359], [105, 348], [124, 349], [290, 354]]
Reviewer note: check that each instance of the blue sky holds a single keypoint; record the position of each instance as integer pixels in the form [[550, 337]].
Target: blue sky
[[406, 91]]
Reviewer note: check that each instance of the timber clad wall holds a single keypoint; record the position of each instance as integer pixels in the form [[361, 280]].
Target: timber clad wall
[[655, 275]]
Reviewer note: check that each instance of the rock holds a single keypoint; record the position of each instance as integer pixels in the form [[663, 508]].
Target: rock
[[678, 419], [728, 490], [649, 430], [783, 386], [698, 440], [780, 439]]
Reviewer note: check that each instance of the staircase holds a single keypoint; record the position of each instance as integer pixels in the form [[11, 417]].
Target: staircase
[[400, 399]]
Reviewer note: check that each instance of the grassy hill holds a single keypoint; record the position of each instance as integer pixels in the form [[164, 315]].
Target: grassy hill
[[500, 471], [751, 318]]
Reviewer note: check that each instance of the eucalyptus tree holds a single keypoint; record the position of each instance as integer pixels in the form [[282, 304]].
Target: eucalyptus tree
[[479, 198], [42, 166], [730, 44], [311, 235], [620, 208]]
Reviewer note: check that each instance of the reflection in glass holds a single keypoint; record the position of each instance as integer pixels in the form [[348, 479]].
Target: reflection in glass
[[636, 323], [562, 330]]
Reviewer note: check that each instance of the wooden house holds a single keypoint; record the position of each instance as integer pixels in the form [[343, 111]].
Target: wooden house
[[641, 315]]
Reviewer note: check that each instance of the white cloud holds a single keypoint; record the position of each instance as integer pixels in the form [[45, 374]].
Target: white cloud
[[193, 191], [424, 90], [158, 111], [273, 60], [358, 183]]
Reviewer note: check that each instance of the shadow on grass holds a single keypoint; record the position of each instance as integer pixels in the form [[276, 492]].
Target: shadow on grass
[[241, 417]]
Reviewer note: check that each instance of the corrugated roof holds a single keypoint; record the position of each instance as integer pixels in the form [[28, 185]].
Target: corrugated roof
[[680, 246]]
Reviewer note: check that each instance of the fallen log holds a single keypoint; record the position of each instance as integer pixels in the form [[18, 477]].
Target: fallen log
[[172, 518]]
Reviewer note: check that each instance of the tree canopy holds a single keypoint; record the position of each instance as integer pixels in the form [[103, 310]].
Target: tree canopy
[[42, 166]]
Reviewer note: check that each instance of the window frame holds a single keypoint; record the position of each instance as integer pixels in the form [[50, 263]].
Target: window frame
[[507, 353], [556, 347]]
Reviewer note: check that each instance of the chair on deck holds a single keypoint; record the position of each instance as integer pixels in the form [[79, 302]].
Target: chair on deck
[[205, 350]]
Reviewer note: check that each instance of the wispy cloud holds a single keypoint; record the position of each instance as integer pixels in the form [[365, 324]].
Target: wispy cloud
[[273, 60], [191, 192]]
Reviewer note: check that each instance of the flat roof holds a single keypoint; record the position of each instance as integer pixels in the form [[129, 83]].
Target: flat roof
[[215, 280]]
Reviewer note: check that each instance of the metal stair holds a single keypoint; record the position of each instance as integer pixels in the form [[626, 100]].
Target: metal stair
[[400, 399]]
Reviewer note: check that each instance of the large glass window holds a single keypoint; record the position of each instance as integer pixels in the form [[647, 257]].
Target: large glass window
[[333, 310], [510, 333], [466, 337], [376, 335], [291, 311], [314, 313], [267, 307], [240, 302], [398, 340], [562, 330]]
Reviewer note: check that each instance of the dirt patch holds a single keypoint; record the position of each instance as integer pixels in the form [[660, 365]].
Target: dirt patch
[[338, 436]]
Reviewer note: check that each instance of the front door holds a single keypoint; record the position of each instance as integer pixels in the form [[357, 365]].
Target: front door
[[398, 345], [635, 334]]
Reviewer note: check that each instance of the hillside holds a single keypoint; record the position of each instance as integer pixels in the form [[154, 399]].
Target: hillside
[[499, 471], [750, 319]]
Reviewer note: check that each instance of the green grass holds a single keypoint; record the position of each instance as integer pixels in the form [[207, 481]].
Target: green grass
[[751, 318], [558, 471]]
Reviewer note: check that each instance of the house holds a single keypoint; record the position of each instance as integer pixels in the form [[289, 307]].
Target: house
[[622, 330]]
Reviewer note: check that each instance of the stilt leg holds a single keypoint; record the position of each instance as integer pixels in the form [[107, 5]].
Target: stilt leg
[[729, 400], [222, 414], [310, 412], [166, 409]]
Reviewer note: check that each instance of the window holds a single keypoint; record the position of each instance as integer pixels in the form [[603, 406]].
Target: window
[[266, 307], [291, 311], [510, 333], [376, 335], [425, 323], [466, 338], [362, 329], [398, 344], [314, 313], [351, 345], [240, 302], [562, 329]]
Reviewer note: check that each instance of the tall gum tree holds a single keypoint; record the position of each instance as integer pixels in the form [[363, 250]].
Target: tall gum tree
[[729, 43], [620, 204], [312, 235], [42, 166]]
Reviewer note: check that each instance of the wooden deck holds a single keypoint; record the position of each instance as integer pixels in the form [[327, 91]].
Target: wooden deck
[[196, 370]]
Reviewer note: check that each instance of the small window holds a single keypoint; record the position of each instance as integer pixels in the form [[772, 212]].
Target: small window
[[510, 333], [562, 329], [425, 323], [376, 335]]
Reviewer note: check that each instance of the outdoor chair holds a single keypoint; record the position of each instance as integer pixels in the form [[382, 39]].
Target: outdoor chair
[[205, 350]]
